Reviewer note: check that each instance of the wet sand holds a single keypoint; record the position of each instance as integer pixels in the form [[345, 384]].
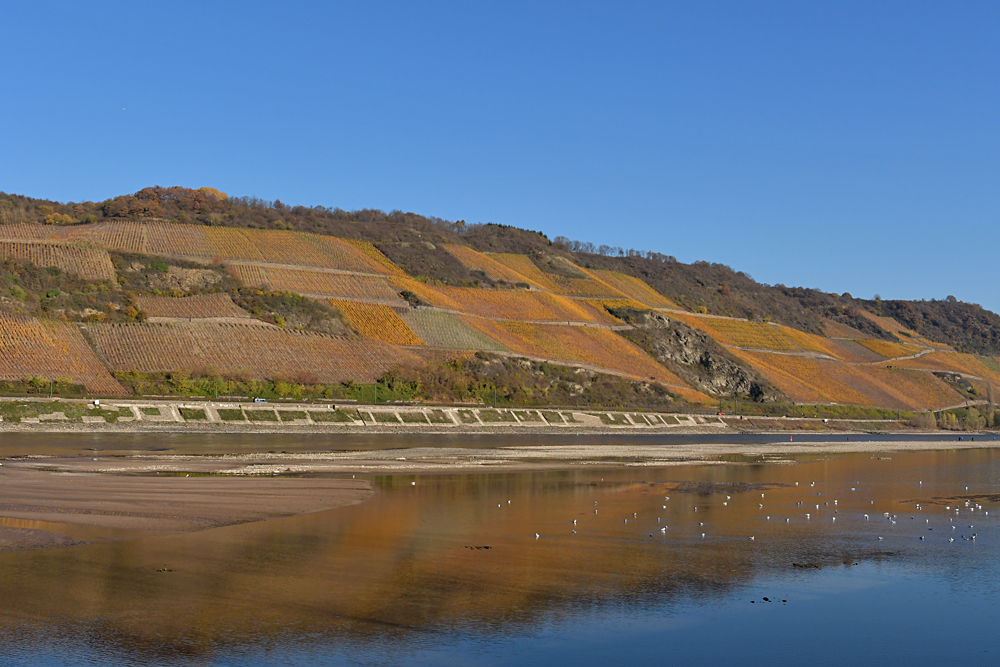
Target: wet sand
[[430, 459], [152, 492], [153, 503]]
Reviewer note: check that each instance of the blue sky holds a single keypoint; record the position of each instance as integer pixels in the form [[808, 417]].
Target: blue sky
[[845, 146]]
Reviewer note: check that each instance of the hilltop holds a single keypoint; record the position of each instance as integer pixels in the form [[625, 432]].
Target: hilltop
[[188, 292]]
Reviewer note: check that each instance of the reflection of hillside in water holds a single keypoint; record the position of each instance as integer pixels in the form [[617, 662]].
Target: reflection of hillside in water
[[399, 564]]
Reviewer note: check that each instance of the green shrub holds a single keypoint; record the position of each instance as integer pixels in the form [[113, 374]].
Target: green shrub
[[262, 415], [231, 415], [611, 419], [467, 417], [439, 417], [339, 416], [490, 416]]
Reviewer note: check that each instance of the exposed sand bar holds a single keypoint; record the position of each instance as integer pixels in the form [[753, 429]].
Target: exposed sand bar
[[165, 503], [150, 492], [424, 459]]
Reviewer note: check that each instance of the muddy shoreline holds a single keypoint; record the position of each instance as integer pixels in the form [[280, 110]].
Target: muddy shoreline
[[159, 492]]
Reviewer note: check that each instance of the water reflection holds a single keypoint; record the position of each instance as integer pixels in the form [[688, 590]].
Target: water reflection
[[410, 567]]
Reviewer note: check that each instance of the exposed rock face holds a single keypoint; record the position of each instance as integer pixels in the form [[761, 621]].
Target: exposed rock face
[[186, 280], [697, 358]]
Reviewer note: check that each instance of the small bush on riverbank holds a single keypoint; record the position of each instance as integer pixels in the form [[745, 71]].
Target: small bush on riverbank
[[231, 415], [413, 417]]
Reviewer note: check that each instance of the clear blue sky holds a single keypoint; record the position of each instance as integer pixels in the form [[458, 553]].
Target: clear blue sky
[[845, 146]]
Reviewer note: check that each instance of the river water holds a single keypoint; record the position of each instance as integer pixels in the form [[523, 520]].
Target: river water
[[487, 569]]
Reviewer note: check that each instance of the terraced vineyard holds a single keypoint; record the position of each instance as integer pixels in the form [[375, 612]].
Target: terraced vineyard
[[902, 332], [477, 261], [809, 380], [635, 289], [888, 349], [954, 362], [319, 283], [539, 319], [447, 331], [833, 329], [604, 304], [575, 344], [757, 335], [216, 243], [173, 239], [86, 262], [510, 304], [118, 235], [243, 350], [231, 244], [585, 287], [377, 321], [582, 286], [30, 347], [284, 247], [523, 266], [852, 352], [379, 263], [201, 306], [25, 232]]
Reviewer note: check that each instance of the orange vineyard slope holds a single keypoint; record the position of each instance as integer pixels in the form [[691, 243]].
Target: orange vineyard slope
[[238, 350], [477, 261], [318, 283], [86, 262], [757, 335], [807, 380], [377, 321], [509, 304], [201, 306], [209, 243], [635, 289], [598, 348], [30, 347]]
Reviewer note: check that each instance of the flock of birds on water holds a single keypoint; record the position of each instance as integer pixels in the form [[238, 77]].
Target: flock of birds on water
[[834, 507]]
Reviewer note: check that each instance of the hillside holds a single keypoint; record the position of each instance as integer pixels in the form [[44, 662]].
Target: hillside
[[183, 291]]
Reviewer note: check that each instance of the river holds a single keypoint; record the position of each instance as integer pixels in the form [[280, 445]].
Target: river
[[786, 560]]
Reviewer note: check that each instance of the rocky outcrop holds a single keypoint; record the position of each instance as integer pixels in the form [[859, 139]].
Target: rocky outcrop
[[693, 355]]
